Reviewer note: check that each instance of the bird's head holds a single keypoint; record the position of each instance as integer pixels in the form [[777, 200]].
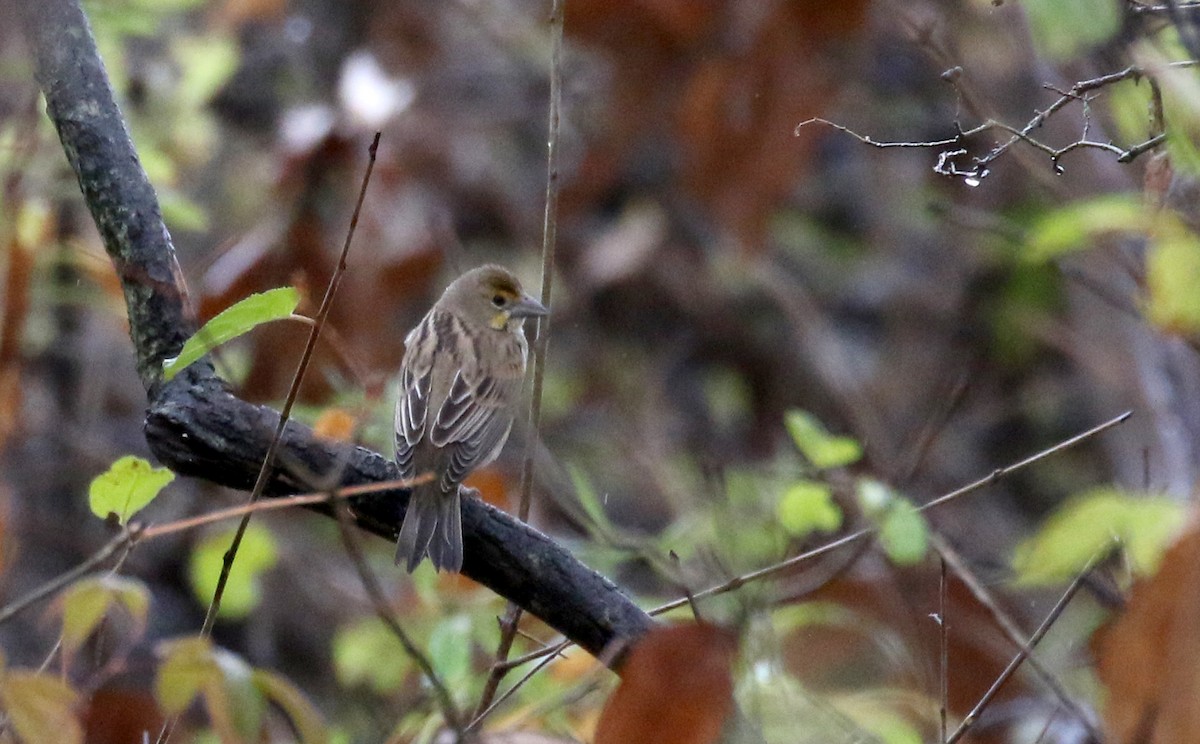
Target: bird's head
[[492, 295]]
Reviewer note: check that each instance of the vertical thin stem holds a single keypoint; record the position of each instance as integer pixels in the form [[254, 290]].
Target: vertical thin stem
[[512, 615], [1022, 654], [944, 637]]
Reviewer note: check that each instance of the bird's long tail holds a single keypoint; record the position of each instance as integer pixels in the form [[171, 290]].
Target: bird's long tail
[[432, 526]]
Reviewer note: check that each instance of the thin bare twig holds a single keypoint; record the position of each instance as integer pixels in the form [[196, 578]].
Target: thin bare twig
[[988, 480], [128, 536], [285, 412], [264, 472], [282, 502], [951, 557], [383, 611], [1022, 654], [762, 573], [512, 614], [948, 159], [944, 651]]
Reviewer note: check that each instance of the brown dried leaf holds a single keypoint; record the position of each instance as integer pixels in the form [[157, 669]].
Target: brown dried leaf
[[335, 423], [676, 688], [1149, 657]]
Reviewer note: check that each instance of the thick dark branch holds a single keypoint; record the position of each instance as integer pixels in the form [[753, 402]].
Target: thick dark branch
[[197, 427], [123, 204]]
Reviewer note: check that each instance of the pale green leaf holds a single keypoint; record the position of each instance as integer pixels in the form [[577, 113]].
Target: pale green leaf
[[40, 708], [1063, 29], [357, 649], [815, 613], [232, 322], [807, 506], [300, 711], [84, 606], [1091, 521], [903, 533], [256, 554], [589, 499], [126, 488], [821, 448], [88, 601], [193, 667], [450, 649], [1173, 280], [186, 668], [1077, 225]]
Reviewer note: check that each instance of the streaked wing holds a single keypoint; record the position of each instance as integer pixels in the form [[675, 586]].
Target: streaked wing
[[412, 402], [473, 422]]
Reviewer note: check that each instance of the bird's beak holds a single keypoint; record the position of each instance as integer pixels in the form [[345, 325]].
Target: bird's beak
[[527, 307]]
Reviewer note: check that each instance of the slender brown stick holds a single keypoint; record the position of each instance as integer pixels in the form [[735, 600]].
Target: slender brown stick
[[512, 613], [1023, 654], [987, 480], [282, 502], [951, 557], [127, 537], [264, 473], [762, 573], [943, 622], [268, 461], [384, 612]]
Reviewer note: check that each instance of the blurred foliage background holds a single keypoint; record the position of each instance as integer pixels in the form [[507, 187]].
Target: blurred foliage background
[[763, 334]]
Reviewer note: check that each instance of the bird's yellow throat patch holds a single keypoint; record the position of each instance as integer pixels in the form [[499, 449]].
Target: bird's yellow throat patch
[[500, 320]]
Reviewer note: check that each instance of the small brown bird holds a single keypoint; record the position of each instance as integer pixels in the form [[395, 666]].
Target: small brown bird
[[464, 365]]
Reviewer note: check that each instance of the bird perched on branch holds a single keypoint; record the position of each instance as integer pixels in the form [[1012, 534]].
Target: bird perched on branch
[[463, 369]]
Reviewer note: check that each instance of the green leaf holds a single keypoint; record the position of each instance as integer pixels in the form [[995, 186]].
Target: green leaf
[[821, 448], [40, 707], [304, 717], [1142, 524], [88, 601], [126, 488], [814, 613], [186, 669], [807, 506], [256, 554], [181, 213], [1077, 225], [206, 62], [885, 713], [1066, 29], [589, 499], [357, 649], [450, 649], [1173, 279], [193, 667], [232, 322], [903, 533]]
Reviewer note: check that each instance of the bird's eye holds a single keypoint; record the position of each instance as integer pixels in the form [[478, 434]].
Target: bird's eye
[[498, 300]]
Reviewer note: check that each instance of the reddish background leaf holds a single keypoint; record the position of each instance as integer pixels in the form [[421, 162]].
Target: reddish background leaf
[[1149, 658], [676, 688]]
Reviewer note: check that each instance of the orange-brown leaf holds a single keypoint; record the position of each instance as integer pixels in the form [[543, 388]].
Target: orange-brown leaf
[[335, 423], [1149, 658], [676, 688]]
